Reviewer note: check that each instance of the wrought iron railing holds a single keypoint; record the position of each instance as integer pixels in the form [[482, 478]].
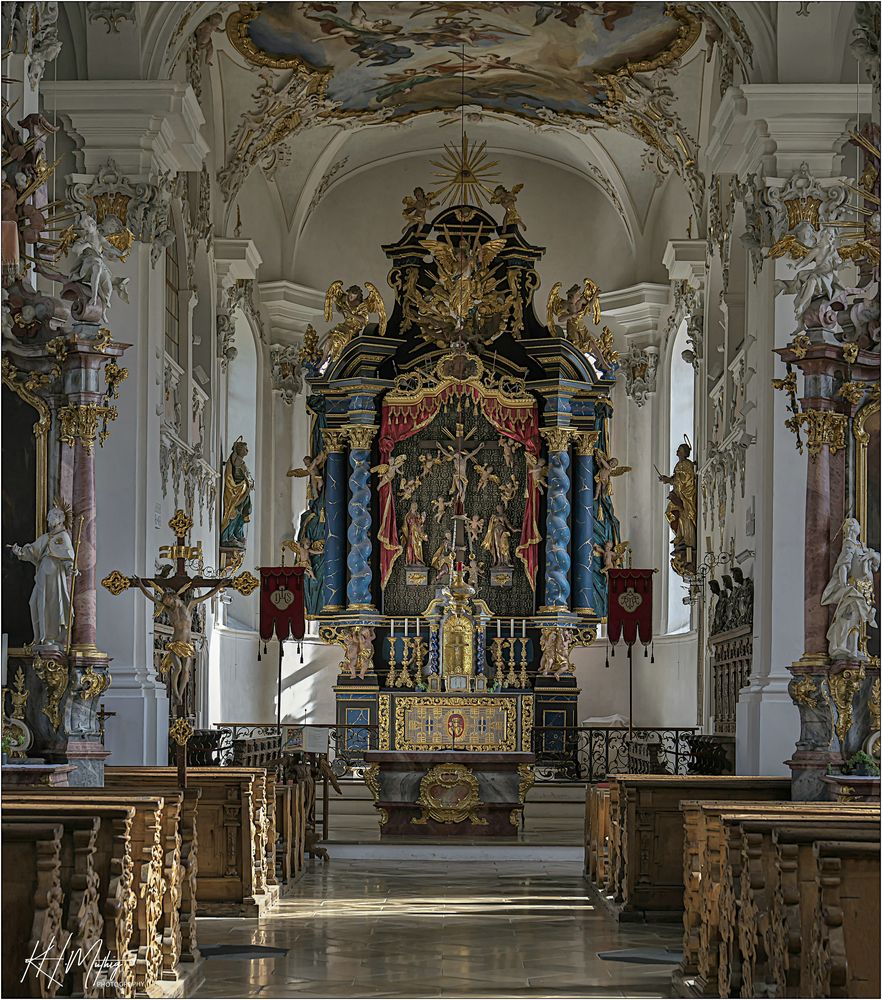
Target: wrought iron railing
[[346, 743], [563, 753], [589, 754]]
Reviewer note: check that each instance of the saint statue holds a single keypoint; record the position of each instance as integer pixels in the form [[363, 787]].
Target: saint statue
[[682, 510], [851, 590], [414, 533], [497, 541], [238, 485], [53, 555], [442, 557]]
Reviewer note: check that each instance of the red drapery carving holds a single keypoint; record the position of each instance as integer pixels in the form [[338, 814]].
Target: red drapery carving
[[400, 421], [281, 602], [630, 606]]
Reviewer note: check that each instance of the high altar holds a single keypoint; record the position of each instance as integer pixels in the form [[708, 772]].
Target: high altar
[[459, 517]]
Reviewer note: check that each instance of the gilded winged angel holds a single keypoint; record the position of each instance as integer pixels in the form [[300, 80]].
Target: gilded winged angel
[[388, 471], [607, 469], [465, 285], [356, 308]]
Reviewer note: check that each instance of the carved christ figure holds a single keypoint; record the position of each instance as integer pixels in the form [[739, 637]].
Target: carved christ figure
[[497, 541], [177, 660], [460, 461], [414, 533]]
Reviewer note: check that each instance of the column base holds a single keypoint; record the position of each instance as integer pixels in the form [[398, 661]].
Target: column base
[[767, 726]]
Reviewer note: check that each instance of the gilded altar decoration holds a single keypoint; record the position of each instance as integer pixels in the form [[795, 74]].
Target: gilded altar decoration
[[413, 533], [53, 674], [844, 686], [608, 468], [116, 583], [487, 724], [528, 777], [824, 428], [356, 308], [80, 423], [312, 471], [682, 511], [569, 310], [237, 488], [93, 685], [180, 731], [19, 695], [417, 206], [449, 794], [508, 199], [371, 777]]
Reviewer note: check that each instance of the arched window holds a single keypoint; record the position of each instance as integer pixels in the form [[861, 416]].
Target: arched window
[[172, 304], [682, 422]]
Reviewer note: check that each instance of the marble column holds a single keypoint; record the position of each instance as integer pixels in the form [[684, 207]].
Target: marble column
[[358, 588], [335, 521], [583, 524], [557, 533]]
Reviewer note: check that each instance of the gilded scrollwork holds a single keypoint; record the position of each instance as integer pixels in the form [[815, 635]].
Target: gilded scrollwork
[[80, 423], [824, 428], [53, 674], [438, 799], [844, 686]]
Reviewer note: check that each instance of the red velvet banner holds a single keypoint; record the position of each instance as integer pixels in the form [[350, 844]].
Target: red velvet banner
[[630, 606], [400, 421], [281, 602]]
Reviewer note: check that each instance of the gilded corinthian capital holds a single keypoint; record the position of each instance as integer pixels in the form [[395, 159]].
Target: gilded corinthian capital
[[360, 435], [558, 438]]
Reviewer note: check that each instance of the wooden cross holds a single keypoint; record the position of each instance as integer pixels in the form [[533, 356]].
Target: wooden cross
[[103, 715], [175, 593]]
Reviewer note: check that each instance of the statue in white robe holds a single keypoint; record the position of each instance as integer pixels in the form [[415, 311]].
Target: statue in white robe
[[851, 590], [53, 555]]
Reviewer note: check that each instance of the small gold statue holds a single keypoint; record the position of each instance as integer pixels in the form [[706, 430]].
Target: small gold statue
[[417, 206], [356, 308], [508, 199]]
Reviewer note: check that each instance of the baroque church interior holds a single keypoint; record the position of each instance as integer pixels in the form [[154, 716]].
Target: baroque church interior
[[440, 497]]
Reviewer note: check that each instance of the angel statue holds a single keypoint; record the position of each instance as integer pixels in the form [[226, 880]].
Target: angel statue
[[817, 276], [416, 207], [508, 200], [91, 269], [312, 467], [537, 470], [851, 590], [389, 471], [682, 510], [610, 554], [608, 469], [570, 311], [466, 288], [555, 644], [356, 308], [53, 555], [358, 650], [237, 487]]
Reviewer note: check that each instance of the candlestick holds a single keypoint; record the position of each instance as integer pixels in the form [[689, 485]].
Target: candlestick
[[407, 626]]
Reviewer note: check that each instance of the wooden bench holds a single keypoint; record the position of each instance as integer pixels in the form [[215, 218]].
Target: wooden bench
[[637, 840], [235, 835], [32, 905], [751, 878], [130, 867]]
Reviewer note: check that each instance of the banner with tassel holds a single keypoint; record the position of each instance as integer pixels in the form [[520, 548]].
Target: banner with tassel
[[629, 617], [282, 609]]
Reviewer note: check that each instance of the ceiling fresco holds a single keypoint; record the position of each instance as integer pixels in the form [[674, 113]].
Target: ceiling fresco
[[519, 58]]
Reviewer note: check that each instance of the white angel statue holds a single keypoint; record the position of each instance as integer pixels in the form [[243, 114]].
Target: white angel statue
[[91, 267]]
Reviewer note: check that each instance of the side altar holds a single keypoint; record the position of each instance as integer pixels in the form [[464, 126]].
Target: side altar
[[459, 519]]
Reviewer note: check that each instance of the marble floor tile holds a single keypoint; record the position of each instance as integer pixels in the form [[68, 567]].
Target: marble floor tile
[[432, 929]]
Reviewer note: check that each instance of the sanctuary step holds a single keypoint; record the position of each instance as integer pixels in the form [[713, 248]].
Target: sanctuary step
[[553, 814]]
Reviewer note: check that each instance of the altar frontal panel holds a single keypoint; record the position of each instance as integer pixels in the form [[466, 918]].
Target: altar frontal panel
[[430, 723]]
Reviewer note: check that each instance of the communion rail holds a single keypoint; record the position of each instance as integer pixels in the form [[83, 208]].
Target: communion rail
[[592, 753], [563, 753]]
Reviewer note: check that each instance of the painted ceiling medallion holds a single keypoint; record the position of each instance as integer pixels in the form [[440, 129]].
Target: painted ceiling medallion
[[515, 58]]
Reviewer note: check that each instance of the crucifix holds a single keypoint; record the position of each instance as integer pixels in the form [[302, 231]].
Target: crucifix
[[173, 590]]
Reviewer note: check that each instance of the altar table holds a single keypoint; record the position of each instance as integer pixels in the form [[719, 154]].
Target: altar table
[[448, 793]]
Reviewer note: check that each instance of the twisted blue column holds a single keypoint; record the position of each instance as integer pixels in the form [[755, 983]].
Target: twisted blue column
[[335, 529], [358, 588], [557, 523], [583, 524]]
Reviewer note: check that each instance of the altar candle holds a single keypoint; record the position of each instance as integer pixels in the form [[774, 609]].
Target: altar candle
[[498, 628], [407, 626], [391, 626], [523, 628], [512, 628]]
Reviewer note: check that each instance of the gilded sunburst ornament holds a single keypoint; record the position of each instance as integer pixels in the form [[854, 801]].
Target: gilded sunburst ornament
[[465, 173]]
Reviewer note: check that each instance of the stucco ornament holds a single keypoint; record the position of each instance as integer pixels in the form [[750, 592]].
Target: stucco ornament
[[640, 366], [851, 591], [92, 269]]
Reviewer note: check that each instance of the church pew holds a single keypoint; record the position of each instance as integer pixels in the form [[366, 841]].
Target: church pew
[[597, 808], [749, 875], [147, 852], [115, 868], [232, 836], [32, 905], [81, 906], [643, 836], [179, 932]]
